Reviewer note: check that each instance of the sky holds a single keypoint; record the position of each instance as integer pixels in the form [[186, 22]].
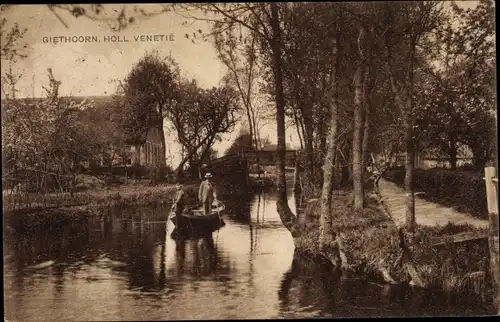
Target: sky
[[92, 68]]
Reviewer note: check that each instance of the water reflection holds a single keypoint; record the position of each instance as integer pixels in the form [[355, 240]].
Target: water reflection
[[129, 264]]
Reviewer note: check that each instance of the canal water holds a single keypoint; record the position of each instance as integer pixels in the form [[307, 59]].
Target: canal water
[[125, 265]]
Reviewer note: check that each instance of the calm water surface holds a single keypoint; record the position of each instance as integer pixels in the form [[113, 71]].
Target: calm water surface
[[126, 266]]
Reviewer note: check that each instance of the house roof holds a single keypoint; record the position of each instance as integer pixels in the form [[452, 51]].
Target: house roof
[[78, 99]]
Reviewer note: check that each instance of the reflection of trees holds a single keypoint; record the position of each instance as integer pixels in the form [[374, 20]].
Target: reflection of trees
[[134, 243], [315, 284], [64, 240], [73, 241], [238, 207], [318, 286]]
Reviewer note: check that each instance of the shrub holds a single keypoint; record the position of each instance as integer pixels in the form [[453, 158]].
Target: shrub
[[467, 167], [462, 190]]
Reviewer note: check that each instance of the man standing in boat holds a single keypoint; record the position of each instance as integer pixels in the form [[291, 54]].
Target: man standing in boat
[[179, 201], [207, 194]]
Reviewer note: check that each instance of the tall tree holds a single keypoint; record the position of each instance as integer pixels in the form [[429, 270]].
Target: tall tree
[[298, 77], [275, 43], [406, 24], [325, 234], [243, 69], [151, 87], [199, 117]]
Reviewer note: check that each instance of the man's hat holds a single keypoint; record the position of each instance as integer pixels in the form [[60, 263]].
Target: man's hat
[[208, 175]]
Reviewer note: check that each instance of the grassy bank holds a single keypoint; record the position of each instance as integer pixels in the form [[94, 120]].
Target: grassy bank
[[372, 245], [98, 199], [369, 240]]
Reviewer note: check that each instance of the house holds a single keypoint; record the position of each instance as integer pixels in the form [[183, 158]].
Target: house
[[426, 159], [149, 153]]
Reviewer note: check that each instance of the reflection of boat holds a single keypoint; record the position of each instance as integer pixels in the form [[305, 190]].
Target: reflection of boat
[[178, 234], [194, 220], [196, 256]]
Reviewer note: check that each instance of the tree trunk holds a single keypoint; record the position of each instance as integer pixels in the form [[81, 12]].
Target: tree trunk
[[180, 170], [410, 150], [325, 233], [350, 174], [479, 159], [406, 108], [322, 150], [367, 94], [409, 159], [250, 127], [365, 153], [452, 152], [409, 156], [283, 209], [357, 162], [453, 161], [328, 175], [299, 132], [309, 159]]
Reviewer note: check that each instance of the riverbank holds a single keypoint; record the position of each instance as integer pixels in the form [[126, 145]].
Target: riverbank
[[98, 200], [374, 247]]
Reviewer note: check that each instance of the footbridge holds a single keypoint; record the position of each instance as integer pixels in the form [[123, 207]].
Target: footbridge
[[233, 169]]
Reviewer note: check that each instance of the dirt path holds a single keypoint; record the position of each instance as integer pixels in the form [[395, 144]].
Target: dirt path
[[426, 213]]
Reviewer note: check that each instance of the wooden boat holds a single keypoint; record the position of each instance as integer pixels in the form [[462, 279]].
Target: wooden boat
[[194, 220]]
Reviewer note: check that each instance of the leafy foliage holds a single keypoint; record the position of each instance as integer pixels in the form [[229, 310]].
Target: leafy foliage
[[148, 90], [459, 87], [242, 143], [11, 51], [43, 140], [200, 117]]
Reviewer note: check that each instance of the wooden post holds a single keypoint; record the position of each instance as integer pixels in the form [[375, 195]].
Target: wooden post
[[491, 181]]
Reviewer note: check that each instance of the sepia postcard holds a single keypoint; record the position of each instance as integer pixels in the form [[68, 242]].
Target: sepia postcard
[[220, 161]]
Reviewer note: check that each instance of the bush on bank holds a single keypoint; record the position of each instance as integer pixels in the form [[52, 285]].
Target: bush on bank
[[462, 190], [372, 245], [369, 240]]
